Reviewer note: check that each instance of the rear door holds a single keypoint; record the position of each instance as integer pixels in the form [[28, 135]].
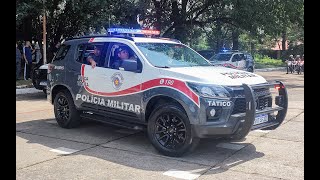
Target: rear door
[[74, 79]]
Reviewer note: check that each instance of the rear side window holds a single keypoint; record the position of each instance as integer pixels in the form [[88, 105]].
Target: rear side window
[[62, 52], [95, 50]]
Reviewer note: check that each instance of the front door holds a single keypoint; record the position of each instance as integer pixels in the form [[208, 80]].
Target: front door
[[115, 91]]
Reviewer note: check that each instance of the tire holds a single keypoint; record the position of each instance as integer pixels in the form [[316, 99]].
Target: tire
[[67, 116], [169, 130], [250, 69]]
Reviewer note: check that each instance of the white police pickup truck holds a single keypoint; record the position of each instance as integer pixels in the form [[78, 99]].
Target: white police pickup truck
[[161, 86]]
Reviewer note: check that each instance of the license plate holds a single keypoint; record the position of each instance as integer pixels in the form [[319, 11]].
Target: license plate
[[43, 83], [261, 118]]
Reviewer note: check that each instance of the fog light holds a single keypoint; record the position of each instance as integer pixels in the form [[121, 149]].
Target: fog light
[[212, 112]]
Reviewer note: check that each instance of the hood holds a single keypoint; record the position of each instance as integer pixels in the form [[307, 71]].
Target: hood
[[213, 75]]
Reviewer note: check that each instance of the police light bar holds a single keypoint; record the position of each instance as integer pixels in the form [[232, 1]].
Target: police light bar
[[151, 32], [132, 31]]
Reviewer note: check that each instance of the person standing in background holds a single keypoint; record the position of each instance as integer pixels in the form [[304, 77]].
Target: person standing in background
[[27, 56], [38, 54], [289, 64], [18, 62]]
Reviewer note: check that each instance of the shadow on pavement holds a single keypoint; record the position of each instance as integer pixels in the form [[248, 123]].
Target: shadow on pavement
[[132, 148], [31, 97]]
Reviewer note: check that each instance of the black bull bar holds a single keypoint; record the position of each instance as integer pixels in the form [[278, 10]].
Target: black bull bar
[[281, 101]]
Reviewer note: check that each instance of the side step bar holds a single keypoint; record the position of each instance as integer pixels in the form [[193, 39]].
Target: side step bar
[[116, 122]]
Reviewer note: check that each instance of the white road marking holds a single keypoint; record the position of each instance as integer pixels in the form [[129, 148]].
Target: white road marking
[[230, 146], [63, 150], [262, 131], [181, 174]]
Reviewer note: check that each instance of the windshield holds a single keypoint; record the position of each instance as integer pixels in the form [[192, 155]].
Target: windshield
[[221, 57], [171, 55]]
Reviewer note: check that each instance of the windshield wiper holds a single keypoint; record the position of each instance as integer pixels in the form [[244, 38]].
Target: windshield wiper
[[162, 66]]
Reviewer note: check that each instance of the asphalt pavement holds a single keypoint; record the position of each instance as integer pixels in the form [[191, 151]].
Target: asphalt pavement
[[98, 151]]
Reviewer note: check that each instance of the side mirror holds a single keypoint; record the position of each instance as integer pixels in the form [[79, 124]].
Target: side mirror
[[129, 65]]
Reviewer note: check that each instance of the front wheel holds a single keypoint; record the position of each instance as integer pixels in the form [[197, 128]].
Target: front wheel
[[169, 130], [66, 114]]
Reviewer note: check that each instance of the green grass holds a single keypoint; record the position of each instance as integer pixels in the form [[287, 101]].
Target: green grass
[[267, 62]]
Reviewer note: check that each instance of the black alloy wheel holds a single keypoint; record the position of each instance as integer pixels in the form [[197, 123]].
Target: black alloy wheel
[[170, 131], [66, 114], [63, 109]]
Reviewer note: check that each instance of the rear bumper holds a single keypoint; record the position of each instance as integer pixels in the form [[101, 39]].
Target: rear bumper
[[244, 122]]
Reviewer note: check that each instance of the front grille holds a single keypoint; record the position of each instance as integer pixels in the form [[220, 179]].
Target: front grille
[[239, 106], [263, 100]]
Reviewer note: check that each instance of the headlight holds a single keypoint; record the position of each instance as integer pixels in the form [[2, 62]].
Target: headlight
[[207, 90]]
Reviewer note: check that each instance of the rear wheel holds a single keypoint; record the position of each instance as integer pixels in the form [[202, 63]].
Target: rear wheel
[[169, 130], [66, 114], [250, 69]]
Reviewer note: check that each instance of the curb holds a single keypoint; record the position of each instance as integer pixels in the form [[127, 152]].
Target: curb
[[270, 69], [27, 91], [24, 86]]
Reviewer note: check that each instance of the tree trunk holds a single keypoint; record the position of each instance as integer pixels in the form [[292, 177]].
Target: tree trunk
[[180, 31], [27, 28], [158, 10], [235, 39], [284, 40], [218, 35]]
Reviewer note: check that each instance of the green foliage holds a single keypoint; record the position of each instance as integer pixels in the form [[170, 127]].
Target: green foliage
[[262, 61], [202, 24]]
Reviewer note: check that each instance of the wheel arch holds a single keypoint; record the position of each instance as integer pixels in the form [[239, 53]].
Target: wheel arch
[[58, 88], [157, 100]]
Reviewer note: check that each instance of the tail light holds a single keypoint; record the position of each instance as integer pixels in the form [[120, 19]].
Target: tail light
[[278, 86]]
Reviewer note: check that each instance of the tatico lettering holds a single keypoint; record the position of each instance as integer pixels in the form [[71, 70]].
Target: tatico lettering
[[110, 103], [219, 103]]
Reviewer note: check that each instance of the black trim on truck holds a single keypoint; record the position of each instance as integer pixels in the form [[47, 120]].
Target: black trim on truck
[[242, 123]]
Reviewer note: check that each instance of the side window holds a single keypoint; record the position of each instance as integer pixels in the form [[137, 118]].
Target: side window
[[242, 57], [235, 58], [91, 51], [62, 52], [120, 56], [80, 50]]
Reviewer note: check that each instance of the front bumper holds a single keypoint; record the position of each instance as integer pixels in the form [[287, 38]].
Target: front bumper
[[244, 122]]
